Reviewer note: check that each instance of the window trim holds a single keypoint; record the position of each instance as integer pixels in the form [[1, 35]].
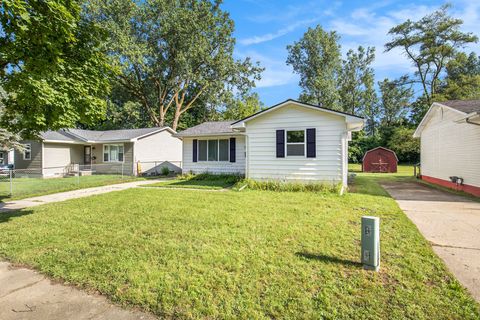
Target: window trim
[[112, 144], [29, 147], [218, 150], [296, 143]]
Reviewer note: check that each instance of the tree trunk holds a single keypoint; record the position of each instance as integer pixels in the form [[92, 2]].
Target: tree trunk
[[176, 117]]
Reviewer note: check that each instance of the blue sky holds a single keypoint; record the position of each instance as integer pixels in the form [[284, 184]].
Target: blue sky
[[264, 28]]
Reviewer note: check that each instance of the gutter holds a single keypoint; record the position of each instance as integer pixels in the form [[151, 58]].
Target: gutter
[[470, 116]]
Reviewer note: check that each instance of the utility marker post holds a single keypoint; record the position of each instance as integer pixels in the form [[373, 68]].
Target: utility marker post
[[371, 243]]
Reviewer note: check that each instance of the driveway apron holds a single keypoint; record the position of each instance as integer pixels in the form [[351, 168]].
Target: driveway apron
[[450, 222]]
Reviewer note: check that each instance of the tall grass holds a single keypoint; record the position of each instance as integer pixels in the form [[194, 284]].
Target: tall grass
[[227, 178], [283, 186]]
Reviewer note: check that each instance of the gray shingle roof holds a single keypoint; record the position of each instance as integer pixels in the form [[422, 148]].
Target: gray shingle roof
[[466, 106], [60, 135], [79, 135], [206, 128]]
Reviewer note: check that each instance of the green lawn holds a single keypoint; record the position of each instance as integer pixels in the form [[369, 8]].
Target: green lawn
[[31, 187], [250, 254]]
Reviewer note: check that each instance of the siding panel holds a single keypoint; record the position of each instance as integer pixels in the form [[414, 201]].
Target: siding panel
[[325, 166], [450, 149], [237, 167], [35, 164]]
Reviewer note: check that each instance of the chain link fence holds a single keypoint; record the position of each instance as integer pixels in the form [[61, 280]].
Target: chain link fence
[[23, 183], [158, 168]]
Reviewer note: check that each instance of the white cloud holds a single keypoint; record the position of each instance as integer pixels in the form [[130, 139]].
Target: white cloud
[[276, 72], [277, 34]]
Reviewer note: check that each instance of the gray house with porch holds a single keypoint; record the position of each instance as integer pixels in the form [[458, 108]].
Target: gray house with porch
[[129, 151]]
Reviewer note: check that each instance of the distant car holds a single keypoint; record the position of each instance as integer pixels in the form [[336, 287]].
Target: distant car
[[5, 169]]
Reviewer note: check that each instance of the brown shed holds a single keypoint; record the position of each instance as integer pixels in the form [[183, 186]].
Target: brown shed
[[379, 159]]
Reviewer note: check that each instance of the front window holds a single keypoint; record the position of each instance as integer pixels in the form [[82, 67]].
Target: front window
[[27, 152], [296, 143], [213, 150], [2, 158], [113, 152]]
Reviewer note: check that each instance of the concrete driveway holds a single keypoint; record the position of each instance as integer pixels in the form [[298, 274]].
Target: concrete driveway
[[450, 222]]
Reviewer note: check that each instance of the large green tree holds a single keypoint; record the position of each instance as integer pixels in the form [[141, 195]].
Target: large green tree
[[462, 79], [405, 145], [51, 66], [174, 55], [357, 85], [430, 43], [394, 102], [316, 58], [8, 140], [242, 107]]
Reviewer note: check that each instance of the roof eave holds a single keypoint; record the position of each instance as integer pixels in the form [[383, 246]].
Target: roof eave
[[295, 102], [232, 133]]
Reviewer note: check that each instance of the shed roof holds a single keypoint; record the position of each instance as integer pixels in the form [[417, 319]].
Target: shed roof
[[383, 148]]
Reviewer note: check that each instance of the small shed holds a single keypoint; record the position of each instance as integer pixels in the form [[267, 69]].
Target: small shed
[[379, 159]]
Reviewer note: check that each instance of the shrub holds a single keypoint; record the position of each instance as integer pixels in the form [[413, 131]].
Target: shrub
[[282, 186], [165, 171]]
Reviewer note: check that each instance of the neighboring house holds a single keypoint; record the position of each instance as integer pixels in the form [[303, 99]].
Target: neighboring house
[[101, 151], [290, 141], [6, 156], [380, 159], [450, 145]]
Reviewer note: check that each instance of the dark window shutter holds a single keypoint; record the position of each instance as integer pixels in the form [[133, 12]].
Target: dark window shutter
[[233, 143], [311, 144], [194, 151], [280, 143]]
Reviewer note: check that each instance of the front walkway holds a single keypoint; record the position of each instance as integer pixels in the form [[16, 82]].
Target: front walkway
[[62, 196], [450, 222]]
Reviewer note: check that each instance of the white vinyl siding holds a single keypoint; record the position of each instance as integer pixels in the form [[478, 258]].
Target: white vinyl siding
[[217, 167], [330, 149], [449, 148]]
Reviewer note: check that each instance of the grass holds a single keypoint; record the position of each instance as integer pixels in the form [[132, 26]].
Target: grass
[[32, 187], [251, 254], [282, 186], [200, 181]]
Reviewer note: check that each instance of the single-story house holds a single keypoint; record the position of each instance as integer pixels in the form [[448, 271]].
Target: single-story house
[[130, 151], [450, 145], [380, 159], [291, 141]]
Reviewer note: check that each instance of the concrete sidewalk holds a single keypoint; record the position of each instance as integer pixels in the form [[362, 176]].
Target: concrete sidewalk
[[450, 222], [62, 196], [26, 294]]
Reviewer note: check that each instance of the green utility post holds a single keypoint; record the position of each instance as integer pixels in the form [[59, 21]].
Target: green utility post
[[371, 243]]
